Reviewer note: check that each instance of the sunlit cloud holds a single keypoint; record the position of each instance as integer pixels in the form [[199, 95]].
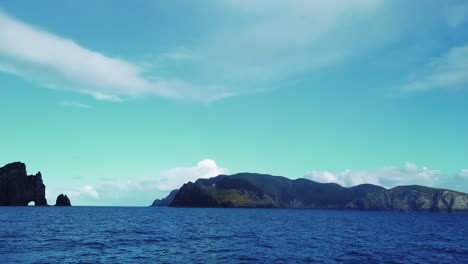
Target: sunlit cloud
[[109, 190], [393, 176], [174, 178]]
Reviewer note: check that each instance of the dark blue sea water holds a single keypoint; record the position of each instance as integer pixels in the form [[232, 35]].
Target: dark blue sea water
[[179, 235]]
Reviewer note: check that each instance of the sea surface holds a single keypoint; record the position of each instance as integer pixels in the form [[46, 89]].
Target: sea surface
[[186, 235]]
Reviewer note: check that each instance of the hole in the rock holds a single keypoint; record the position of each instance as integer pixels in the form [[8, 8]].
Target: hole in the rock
[[32, 203]]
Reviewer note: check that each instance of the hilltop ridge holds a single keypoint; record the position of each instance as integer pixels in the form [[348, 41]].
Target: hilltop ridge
[[254, 190]]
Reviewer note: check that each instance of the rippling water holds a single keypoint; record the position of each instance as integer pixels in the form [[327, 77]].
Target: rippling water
[[184, 235]]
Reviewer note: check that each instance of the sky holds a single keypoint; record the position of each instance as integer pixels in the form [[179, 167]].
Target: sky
[[118, 102]]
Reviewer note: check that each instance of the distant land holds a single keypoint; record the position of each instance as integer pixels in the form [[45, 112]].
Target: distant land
[[253, 190]]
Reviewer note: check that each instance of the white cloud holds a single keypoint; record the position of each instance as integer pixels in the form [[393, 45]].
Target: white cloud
[[387, 177], [174, 178], [110, 190], [285, 38], [52, 193], [74, 104], [61, 63], [90, 190], [449, 72], [463, 173], [256, 45], [325, 177], [278, 40], [137, 190]]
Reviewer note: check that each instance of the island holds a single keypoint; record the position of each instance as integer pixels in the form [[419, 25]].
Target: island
[[62, 200], [253, 190], [17, 188]]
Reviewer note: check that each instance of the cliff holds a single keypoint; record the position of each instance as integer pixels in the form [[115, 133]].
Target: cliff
[[412, 198], [165, 201], [251, 190], [18, 189]]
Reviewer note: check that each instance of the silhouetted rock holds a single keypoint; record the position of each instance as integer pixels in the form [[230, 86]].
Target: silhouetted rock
[[261, 190], [62, 200], [165, 201], [19, 189]]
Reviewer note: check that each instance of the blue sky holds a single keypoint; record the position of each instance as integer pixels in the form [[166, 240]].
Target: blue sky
[[117, 103]]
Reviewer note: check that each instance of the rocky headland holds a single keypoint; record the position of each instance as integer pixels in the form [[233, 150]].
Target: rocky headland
[[252, 190]]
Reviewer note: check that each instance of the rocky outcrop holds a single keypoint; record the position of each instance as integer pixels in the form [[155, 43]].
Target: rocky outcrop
[[194, 195], [62, 200], [19, 189], [413, 198], [249, 190]]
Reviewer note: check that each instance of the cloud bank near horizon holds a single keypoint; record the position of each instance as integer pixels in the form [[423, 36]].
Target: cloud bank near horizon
[[389, 177], [108, 191], [165, 181]]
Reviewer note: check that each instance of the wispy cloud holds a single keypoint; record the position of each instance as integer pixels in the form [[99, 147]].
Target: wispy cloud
[[74, 104], [178, 54], [276, 42], [393, 176], [285, 38], [447, 72], [60, 63], [90, 190]]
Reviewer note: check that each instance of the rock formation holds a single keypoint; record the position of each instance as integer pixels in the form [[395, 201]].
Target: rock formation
[[19, 189], [251, 190], [192, 195], [412, 198], [62, 200], [165, 201]]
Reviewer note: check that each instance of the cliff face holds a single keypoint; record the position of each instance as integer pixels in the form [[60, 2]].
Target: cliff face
[[227, 192], [412, 198], [193, 195], [18, 189], [260, 190], [165, 201]]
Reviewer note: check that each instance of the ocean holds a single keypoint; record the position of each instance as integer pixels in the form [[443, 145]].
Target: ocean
[[210, 235]]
